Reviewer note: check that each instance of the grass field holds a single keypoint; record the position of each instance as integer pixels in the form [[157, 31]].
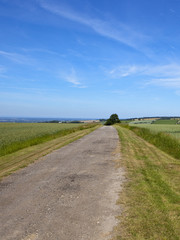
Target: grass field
[[22, 158], [15, 136], [173, 130], [141, 122], [162, 121], [151, 196]]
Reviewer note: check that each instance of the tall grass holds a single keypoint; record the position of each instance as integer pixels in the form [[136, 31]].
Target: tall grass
[[173, 130], [22, 137], [161, 140]]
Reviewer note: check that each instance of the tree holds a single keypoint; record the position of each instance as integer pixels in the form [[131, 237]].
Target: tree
[[113, 119]]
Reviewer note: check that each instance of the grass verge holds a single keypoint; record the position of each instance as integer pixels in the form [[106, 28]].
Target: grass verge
[[151, 197], [161, 140], [22, 158]]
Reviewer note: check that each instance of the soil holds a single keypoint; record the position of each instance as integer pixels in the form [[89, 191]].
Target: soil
[[69, 194]]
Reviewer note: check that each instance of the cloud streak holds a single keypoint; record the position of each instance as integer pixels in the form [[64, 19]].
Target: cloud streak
[[16, 57], [40, 50], [107, 28], [163, 75], [166, 82], [72, 78]]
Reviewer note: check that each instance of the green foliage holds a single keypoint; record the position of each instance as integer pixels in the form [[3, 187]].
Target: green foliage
[[102, 120], [53, 121], [113, 119]]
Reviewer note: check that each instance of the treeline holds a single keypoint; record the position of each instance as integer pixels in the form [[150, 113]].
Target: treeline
[[56, 121], [156, 117]]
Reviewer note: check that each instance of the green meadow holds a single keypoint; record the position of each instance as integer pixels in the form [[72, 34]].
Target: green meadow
[[170, 129], [15, 136], [163, 121]]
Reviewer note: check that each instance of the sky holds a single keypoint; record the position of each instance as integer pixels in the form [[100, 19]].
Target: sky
[[89, 58]]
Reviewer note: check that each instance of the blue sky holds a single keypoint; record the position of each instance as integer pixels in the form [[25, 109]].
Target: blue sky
[[89, 58]]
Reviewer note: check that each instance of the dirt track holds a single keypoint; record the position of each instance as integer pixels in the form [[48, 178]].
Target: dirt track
[[68, 195]]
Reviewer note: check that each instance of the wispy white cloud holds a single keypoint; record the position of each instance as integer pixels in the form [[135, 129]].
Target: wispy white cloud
[[124, 71], [167, 70], [166, 75], [18, 58], [163, 75], [148, 70], [41, 50], [166, 82], [72, 78], [107, 28]]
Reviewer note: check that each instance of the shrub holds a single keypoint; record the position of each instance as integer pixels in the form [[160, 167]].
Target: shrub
[[113, 119]]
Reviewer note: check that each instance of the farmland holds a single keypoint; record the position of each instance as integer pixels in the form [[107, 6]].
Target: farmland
[[33, 141], [173, 130], [15, 136], [162, 121]]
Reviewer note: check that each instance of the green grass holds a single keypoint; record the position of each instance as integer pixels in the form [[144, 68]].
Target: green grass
[[173, 130], [22, 158], [125, 121], [151, 196], [141, 122], [165, 142], [15, 136], [161, 121]]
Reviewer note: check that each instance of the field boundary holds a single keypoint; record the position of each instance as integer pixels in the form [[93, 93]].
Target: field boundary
[[17, 145], [163, 141], [22, 158]]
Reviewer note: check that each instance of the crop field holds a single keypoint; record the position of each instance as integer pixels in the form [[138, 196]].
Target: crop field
[[142, 122], [173, 130], [153, 121], [28, 151], [162, 121], [15, 136]]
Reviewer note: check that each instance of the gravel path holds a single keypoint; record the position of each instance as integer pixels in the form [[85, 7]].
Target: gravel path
[[69, 194]]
